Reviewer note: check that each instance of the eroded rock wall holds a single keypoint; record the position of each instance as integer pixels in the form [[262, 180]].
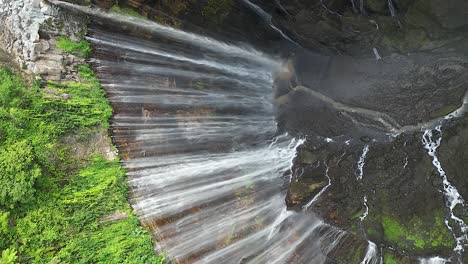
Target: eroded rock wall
[[29, 31]]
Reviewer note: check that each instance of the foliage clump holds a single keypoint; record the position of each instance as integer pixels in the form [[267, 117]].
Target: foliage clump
[[80, 49], [8, 256], [18, 173]]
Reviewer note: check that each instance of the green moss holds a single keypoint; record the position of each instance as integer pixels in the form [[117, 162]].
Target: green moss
[[125, 10], [80, 49], [417, 234], [389, 259]]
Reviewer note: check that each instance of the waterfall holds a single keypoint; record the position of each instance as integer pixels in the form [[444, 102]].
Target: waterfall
[[194, 124], [267, 18], [361, 7], [366, 213], [393, 12], [376, 52], [451, 194], [353, 4], [434, 260], [328, 9], [371, 256], [362, 162], [391, 8]]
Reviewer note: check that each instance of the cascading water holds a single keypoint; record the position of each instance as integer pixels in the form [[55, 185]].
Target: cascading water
[[267, 18], [322, 191], [366, 213], [434, 260], [353, 4], [361, 7], [194, 122], [393, 12], [361, 162], [371, 256], [452, 196]]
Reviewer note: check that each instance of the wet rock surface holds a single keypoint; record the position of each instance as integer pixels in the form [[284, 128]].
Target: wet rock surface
[[397, 204], [384, 70], [403, 26]]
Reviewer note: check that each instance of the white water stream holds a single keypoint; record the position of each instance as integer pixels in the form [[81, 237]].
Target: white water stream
[[267, 18], [452, 196], [362, 162], [371, 256]]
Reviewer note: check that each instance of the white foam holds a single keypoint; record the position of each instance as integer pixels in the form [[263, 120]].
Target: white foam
[[366, 213], [371, 256]]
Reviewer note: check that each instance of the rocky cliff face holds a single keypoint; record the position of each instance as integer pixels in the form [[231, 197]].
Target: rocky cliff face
[[393, 84], [30, 31]]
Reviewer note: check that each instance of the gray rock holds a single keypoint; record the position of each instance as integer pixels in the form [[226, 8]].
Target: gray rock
[[22, 21]]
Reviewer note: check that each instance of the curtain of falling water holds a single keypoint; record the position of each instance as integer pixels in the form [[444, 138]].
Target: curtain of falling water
[[195, 126]]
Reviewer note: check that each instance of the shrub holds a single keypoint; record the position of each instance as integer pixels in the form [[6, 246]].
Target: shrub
[[18, 173]]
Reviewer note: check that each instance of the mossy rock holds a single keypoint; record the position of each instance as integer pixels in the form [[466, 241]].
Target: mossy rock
[[443, 111], [299, 191], [418, 235], [307, 157]]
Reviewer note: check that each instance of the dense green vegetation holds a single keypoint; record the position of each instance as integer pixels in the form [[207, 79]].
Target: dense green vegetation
[[55, 206]]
